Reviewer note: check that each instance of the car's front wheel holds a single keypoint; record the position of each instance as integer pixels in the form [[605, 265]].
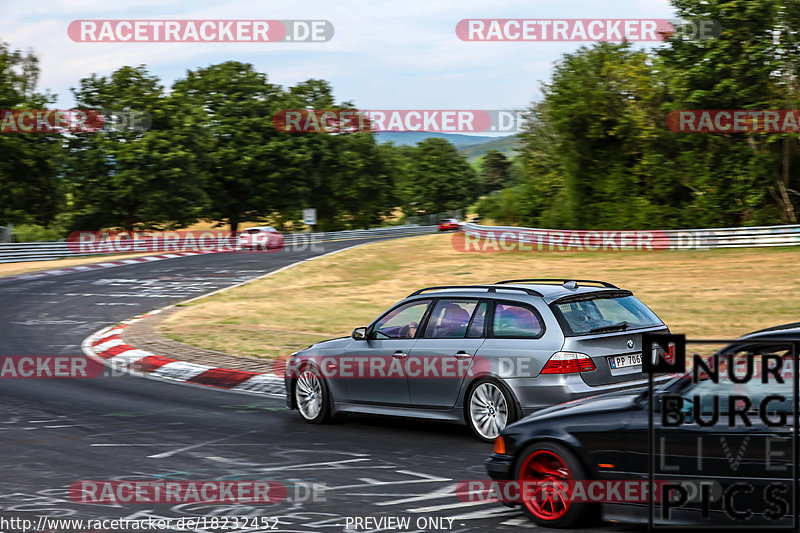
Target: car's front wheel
[[489, 409], [311, 397], [546, 472]]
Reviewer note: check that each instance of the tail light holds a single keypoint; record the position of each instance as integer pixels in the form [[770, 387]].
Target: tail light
[[669, 355], [568, 363]]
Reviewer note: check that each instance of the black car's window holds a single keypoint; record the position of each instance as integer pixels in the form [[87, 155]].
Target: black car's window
[[479, 318], [512, 320], [755, 389], [450, 319], [581, 317], [401, 322]]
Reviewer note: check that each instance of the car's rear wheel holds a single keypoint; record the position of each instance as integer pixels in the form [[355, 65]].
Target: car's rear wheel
[[488, 409], [545, 473], [311, 397]]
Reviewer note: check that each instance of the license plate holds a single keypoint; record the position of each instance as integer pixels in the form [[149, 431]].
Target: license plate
[[623, 361]]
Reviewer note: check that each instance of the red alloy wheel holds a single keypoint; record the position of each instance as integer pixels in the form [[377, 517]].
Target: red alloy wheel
[[539, 469]]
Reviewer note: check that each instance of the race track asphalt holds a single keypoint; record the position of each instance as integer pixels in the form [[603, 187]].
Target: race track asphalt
[[55, 432]]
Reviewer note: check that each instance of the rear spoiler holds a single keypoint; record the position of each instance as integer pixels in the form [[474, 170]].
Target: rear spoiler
[[583, 297]]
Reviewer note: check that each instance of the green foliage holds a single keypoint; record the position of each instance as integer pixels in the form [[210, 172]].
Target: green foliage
[[436, 178], [598, 153], [136, 179], [30, 189], [495, 171], [35, 232]]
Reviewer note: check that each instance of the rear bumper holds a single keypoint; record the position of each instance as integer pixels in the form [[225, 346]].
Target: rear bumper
[[544, 391]]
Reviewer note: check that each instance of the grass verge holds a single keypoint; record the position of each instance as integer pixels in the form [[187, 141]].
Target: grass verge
[[719, 293]]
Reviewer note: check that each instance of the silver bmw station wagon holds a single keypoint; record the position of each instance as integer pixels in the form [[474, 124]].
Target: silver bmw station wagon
[[485, 355]]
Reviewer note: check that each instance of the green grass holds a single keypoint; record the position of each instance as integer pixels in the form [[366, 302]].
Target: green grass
[[720, 293]]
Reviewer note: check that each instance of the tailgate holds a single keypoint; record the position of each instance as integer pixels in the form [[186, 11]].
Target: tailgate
[[625, 347]]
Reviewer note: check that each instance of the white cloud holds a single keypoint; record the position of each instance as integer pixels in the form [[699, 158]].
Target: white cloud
[[385, 54]]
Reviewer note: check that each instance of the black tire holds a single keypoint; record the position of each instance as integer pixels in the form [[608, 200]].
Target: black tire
[[576, 513], [498, 407], [312, 397]]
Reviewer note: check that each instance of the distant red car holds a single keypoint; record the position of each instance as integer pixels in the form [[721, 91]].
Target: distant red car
[[448, 224], [261, 238]]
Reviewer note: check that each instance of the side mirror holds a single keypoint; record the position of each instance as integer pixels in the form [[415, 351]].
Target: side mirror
[[360, 334]]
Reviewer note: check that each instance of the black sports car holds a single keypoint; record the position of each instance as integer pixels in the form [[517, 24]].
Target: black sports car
[[721, 448]]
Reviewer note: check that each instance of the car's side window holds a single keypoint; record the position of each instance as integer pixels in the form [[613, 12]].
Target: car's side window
[[478, 320], [512, 320], [450, 319], [401, 322]]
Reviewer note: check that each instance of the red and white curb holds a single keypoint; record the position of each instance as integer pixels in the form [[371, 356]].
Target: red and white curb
[[107, 347], [106, 264]]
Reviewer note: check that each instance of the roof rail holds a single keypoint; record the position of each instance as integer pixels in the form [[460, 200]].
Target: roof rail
[[560, 281], [489, 288]]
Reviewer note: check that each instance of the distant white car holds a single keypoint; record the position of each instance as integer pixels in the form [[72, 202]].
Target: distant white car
[[262, 238]]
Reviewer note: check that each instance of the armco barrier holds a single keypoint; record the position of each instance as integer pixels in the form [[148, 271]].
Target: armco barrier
[[44, 251], [500, 238]]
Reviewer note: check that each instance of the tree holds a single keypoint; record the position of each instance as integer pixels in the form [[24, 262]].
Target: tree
[[30, 185], [251, 169], [737, 178], [495, 171], [438, 178], [130, 178]]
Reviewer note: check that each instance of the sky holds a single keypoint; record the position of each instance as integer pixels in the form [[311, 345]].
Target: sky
[[384, 54]]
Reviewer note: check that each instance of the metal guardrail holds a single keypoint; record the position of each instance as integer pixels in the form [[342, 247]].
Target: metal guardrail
[[46, 251], [477, 237]]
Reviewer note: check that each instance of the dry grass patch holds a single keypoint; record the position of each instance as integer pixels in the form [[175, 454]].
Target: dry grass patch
[[721, 293]]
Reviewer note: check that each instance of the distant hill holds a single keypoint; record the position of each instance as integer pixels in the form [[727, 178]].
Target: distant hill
[[473, 146], [504, 145], [410, 138]]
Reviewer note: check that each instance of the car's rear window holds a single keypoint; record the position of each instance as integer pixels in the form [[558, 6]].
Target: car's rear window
[[584, 316]]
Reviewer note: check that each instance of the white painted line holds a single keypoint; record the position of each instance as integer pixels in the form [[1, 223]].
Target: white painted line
[[180, 370], [524, 522], [445, 492], [127, 357], [486, 513], [425, 479], [433, 508], [194, 446], [261, 382]]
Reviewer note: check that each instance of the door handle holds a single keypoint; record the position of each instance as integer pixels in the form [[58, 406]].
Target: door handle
[[461, 354], [399, 354]]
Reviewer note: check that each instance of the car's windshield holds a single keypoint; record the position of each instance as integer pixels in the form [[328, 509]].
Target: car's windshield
[[401, 322], [593, 315], [756, 369]]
